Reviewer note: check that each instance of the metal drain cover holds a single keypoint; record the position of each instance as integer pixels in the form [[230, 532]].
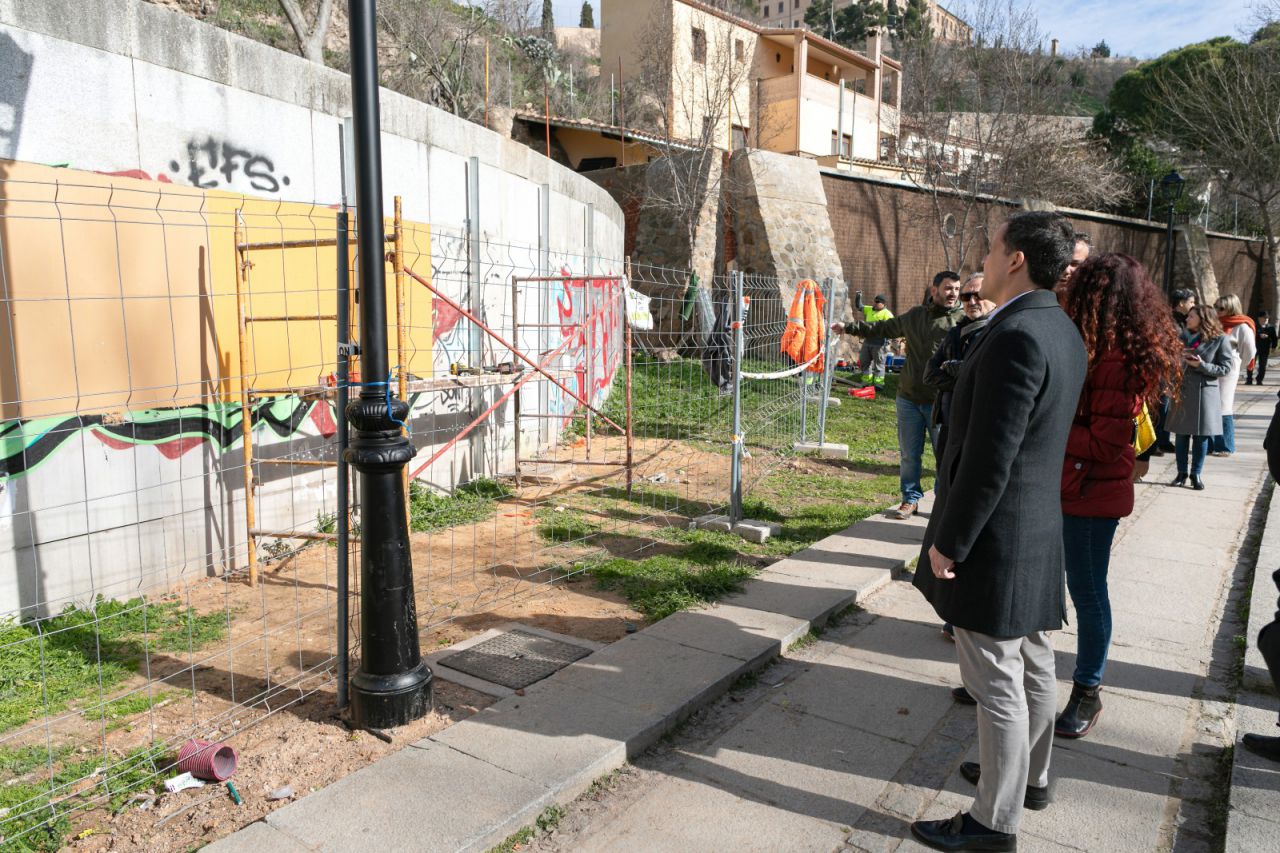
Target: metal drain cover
[[515, 659]]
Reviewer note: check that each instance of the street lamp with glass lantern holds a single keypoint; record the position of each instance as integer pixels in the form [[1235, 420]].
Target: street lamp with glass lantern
[[1171, 189]]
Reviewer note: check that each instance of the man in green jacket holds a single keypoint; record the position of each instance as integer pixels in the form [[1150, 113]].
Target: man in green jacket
[[871, 357], [924, 327]]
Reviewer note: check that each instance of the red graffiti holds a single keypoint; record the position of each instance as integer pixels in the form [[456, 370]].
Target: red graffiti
[[446, 317], [171, 449], [591, 322], [322, 417], [137, 174]]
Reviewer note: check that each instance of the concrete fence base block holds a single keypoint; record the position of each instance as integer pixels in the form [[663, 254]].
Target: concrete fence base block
[[714, 523], [828, 450], [756, 531], [752, 531]]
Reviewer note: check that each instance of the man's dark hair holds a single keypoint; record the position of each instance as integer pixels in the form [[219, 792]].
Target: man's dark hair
[[1045, 239], [1182, 293], [1082, 237], [945, 275]]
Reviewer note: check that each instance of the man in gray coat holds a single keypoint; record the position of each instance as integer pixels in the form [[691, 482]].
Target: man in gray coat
[[992, 561]]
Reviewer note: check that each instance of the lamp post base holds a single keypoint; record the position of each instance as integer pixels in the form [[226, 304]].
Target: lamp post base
[[385, 702]]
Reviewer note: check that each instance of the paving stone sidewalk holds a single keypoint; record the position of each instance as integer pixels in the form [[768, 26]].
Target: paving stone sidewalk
[[844, 743]]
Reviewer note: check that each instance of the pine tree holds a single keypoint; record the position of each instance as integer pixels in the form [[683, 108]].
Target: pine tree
[[853, 23], [914, 23], [588, 19], [548, 23]]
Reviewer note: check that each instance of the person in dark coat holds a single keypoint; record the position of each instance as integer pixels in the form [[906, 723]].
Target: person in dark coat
[[1183, 301], [1266, 341], [1135, 352], [944, 366], [1196, 417], [1269, 637], [992, 559]]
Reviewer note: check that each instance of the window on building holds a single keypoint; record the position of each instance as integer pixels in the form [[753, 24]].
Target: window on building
[[739, 50], [795, 4], [708, 130], [739, 137], [699, 45], [780, 8], [842, 144], [889, 88]]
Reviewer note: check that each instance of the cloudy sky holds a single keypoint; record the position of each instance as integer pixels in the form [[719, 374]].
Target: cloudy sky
[[1142, 28]]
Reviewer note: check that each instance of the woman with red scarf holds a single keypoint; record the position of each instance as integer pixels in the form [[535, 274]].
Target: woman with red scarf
[[1134, 355], [1244, 334]]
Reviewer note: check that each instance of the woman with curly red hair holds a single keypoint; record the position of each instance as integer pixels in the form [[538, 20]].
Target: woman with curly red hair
[[1134, 356]]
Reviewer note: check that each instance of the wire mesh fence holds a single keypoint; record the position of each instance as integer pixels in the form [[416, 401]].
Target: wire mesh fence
[[173, 528]]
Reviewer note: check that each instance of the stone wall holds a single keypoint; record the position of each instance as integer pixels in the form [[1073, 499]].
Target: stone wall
[[888, 242]]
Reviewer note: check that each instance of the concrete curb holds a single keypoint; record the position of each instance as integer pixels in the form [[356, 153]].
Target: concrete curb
[[478, 781], [1253, 822]]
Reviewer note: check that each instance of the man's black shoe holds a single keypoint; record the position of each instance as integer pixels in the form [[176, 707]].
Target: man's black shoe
[[1166, 447], [1267, 747], [962, 696], [961, 833], [1036, 799]]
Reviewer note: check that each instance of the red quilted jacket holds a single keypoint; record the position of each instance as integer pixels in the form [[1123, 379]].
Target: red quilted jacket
[[1097, 473]]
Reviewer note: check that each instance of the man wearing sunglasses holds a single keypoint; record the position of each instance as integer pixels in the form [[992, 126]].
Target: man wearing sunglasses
[[944, 367]]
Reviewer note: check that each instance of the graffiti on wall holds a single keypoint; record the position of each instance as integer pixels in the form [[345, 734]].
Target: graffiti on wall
[[589, 311], [25, 444], [211, 163]]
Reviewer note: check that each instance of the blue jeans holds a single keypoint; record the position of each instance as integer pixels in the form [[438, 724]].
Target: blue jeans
[[1199, 447], [1087, 545], [914, 420], [1226, 443]]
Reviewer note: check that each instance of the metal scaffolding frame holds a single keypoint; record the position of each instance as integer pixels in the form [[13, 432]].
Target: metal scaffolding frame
[[247, 394]]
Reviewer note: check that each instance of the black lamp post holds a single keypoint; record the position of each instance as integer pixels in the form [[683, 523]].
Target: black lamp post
[[1171, 188], [392, 685]]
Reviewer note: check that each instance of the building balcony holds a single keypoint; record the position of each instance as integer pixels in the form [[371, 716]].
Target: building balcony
[[804, 116]]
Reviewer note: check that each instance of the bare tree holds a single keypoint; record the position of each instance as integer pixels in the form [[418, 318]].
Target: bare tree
[[980, 123], [1226, 114], [437, 54], [310, 36]]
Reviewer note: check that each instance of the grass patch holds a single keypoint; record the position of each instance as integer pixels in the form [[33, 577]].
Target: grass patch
[[468, 504], [131, 704], [33, 822], [810, 637], [564, 526], [662, 585], [545, 822], [19, 761], [46, 667], [656, 499]]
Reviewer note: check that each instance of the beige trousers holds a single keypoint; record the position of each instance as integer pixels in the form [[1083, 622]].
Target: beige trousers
[[1013, 681]]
